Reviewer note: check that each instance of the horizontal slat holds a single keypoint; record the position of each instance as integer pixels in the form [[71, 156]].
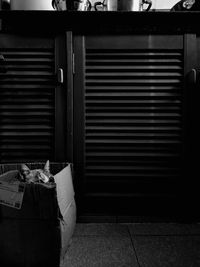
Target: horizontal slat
[[128, 53], [25, 80], [26, 74], [134, 81], [132, 101], [137, 136], [26, 121], [18, 102], [26, 127], [23, 147], [134, 129], [19, 145], [130, 162], [131, 141], [123, 169], [133, 121], [129, 149], [127, 95], [30, 107], [134, 61], [127, 114], [121, 68], [26, 114], [9, 53], [23, 87], [27, 133], [132, 154], [90, 75], [127, 88]]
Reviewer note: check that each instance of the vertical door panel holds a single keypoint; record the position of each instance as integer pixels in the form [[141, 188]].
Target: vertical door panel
[[27, 99], [131, 120]]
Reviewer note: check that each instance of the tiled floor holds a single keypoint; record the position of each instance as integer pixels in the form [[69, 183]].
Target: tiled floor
[[135, 245]]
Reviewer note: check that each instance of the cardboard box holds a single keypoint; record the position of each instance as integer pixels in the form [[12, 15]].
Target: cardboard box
[[11, 192], [39, 233]]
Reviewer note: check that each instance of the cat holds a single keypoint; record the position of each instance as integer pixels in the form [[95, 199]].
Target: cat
[[36, 175], [187, 5]]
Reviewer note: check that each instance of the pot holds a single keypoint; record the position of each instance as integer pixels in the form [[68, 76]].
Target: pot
[[128, 5]]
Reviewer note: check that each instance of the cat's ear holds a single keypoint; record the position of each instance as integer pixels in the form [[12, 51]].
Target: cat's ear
[[24, 172], [24, 168], [47, 166]]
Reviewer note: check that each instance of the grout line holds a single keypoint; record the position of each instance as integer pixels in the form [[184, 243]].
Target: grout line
[[134, 249], [103, 235], [175, 235], [138, 235]]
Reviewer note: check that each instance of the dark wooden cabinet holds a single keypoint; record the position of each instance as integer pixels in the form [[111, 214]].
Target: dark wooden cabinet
[[32, 98], [124, 113]]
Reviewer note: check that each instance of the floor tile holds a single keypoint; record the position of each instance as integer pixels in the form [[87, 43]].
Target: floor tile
[[168, 251], [101, 251], [97, 219], [194, 228], [101, 229], [159, 229]]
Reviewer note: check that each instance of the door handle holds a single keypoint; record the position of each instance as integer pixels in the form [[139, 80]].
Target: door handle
[[193, 77], [2, 64], [60, 76]]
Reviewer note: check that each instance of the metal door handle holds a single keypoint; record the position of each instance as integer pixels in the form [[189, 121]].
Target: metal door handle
[[60, 76], [2, 64], [193, 76]]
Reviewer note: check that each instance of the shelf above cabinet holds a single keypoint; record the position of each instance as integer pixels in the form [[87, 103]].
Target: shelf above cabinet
[[99, 22]]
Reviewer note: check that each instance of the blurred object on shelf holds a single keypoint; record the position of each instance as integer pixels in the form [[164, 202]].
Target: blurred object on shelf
[[128, 5], [101, 6], [84, 5], [163, 5], [73, 5], [187, 5], [59, 5], [5, 4], [30, 4]]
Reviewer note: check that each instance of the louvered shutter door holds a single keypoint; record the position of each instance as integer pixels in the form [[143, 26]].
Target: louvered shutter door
[[133, 97], [27, 99]]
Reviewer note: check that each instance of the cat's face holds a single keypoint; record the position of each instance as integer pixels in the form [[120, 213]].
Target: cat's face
[[37, 175]]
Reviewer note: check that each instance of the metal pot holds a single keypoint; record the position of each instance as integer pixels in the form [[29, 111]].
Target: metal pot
[[81, 5], [128, 5], [60, 4]]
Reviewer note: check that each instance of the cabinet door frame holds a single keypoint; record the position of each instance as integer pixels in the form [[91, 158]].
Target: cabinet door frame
[[188, 43]]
